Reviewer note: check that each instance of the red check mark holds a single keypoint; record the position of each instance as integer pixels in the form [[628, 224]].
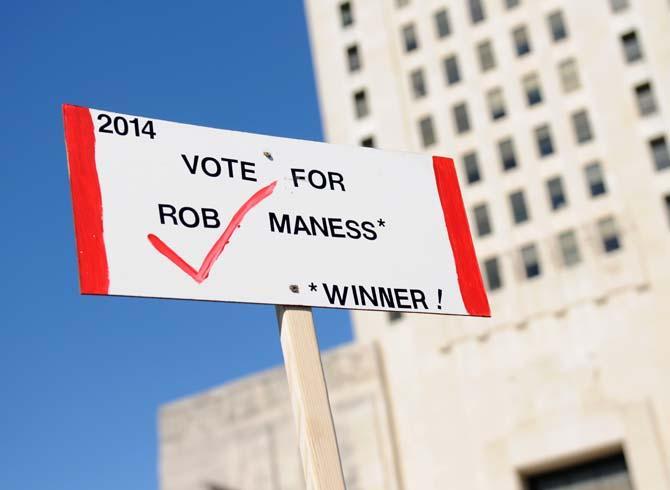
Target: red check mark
[[202, 273]]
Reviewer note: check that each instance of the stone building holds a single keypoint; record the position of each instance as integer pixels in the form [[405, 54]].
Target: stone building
[[557, 114]]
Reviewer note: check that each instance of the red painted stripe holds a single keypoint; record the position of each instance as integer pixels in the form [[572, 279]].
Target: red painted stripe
[[467, 268], [86, 200]]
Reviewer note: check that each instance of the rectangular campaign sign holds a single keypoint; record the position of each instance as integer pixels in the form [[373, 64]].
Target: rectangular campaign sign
[[172, 210]]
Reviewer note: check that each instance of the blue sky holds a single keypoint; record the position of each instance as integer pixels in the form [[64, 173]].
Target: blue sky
[[81, 378]]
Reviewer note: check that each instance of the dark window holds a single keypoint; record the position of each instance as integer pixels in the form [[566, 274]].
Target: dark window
[[477, 13], [410, 40], [442, 25], [507, 154], [427, 131], [482, 222], [531, 85], [368, 142], [510, 4], [517, 202], [461, 119], [557, 26], [394, 316], [346, 14], [492, 274], [595, 179], [545, 146], [418, 83], [556, 193], [487, 60], [401, 3], [353, 58], [471, 165], [631, 47], [582, 127], [451, 71], [567, 70], [660, 152], [609, 234], [567, 242], [361, 104], [496, 103], [531, 261], [667, 207], [521, 41], [608, 473], [646, 102], [618, 5]]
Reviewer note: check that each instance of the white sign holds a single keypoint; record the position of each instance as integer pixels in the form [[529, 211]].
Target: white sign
[[179, 211]]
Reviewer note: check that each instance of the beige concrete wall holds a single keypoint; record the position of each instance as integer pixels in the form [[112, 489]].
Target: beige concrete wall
[[573, 364], [241, 436]]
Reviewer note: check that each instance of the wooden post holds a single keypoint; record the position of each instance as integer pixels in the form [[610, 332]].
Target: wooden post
[[309, 398]]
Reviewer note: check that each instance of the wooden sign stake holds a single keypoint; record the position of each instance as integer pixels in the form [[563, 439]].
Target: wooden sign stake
[[309, 398]]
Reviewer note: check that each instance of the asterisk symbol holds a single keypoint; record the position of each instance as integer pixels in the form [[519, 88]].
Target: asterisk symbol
[[312, 287], [381, 222]]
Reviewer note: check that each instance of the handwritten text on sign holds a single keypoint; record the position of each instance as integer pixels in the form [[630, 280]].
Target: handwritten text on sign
[[178, 211]]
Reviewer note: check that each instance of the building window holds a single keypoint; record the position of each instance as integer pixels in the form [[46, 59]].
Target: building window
[[496, 103], [410, 40], [631, 47], [461, 119], [427, 131], [492, 274], [507, 154], [353, 58], [582, 127], [646, 102], [442, 25], [556, 193], [545, 147], [368, 142], [471, 165], [521, 41], [667, 207], [346, 14], [517, 202], [660, 152], [361, 104], [482, 222], [531, 261], [569, 75], [595, 179], [401, 3], [394, 316], [557, 26], [418, 84], [567, 242], [608, 473], [451, 71], [477, 13], [609, 234], [510, 4], [487, 60], [531, 85], [618, 5]]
